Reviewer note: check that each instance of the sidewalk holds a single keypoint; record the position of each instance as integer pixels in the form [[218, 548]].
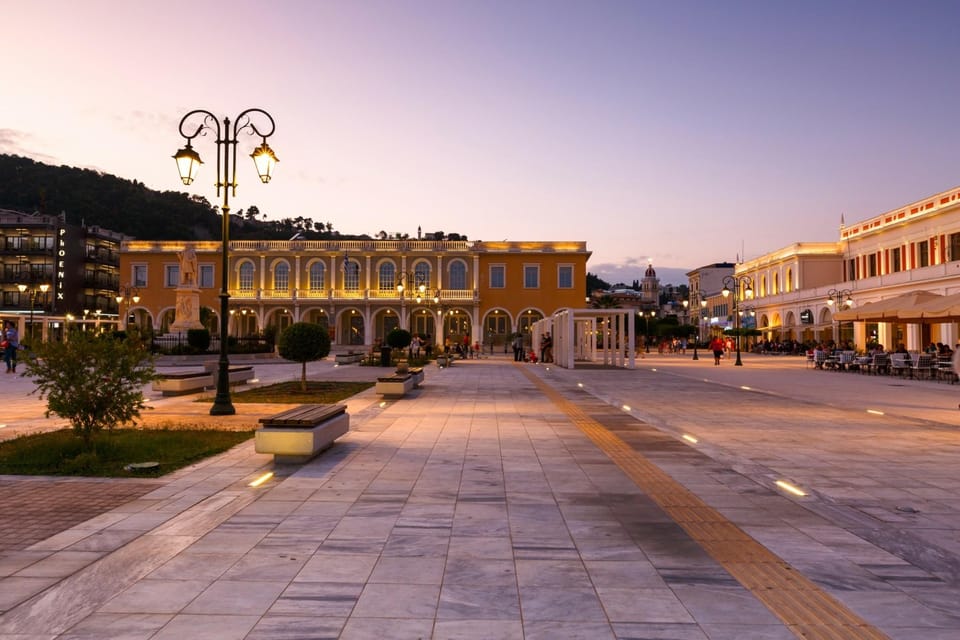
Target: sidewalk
[[528, 501]]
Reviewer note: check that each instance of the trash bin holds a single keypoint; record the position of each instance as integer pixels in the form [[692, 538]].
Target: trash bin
[[385, 356]]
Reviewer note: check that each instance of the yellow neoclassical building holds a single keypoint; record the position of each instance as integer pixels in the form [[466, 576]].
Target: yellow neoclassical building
[[360, 289]]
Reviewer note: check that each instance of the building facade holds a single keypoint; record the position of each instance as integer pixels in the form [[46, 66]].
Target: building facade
[[54, 272], [916, 247], [441, 290]]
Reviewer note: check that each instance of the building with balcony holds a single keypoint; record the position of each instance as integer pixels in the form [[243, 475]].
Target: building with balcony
[[443, 289], [51, 269]]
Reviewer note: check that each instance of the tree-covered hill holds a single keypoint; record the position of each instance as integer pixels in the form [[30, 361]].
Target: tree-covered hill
[[129, 207]]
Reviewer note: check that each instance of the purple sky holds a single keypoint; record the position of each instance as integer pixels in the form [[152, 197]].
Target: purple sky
[[678, 132]]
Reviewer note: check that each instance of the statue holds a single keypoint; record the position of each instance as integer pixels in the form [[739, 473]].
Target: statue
[[188, 266]]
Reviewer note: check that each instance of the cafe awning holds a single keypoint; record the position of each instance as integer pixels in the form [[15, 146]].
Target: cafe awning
[[889, 309], [940, 309]]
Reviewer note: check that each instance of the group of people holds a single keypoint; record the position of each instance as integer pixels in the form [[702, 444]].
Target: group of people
[[10, 344]]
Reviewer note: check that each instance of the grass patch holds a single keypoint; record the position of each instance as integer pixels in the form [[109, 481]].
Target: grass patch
[[61, 453], [318, 391]]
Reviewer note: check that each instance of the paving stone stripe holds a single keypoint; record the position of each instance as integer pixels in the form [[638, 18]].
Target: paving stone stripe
[[807, 610]]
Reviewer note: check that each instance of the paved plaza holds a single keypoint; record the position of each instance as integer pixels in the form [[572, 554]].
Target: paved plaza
[[506, 500]]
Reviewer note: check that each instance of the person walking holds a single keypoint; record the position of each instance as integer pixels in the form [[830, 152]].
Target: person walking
[[11, 342], [716, 345]]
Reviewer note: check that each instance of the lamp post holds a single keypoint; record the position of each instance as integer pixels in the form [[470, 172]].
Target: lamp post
[[742, 287], [34, 292], [437, 297], [126, 295], [703, 306], [842, 298], [188, 163], [646, 329]]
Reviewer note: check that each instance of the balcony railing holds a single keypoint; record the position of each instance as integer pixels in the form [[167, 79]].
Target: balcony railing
[[335, 295]]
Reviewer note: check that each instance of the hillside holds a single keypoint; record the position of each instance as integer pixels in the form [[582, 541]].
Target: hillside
[[129, 207]]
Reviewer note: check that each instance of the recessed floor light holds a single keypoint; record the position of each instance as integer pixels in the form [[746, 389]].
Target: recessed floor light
[[786, 486], [690, 438], [259, 481]]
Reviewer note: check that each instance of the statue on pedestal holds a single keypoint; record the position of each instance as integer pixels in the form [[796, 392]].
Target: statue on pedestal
[[188, 293]]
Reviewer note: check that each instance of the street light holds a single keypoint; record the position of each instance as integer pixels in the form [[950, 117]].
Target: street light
[[703, 306], [646, 328], [188, 163], [843, 299], [127, 295], [34, 292], [419, 281], [742, 288]]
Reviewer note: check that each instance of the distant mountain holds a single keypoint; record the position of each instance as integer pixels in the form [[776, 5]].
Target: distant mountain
[[129, 207]]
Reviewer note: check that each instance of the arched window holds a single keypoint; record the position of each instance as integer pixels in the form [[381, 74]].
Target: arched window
[[387, 279], [421, 274], [763, 286], [281, 277], [351, 275], [788, 285], [246, 276], [317, 273], [458, 275], [776, 284]]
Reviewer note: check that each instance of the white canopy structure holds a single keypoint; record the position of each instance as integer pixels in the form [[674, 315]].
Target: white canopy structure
[[589, 336]]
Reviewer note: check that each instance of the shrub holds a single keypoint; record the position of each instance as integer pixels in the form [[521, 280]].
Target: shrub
[[198, 339], [95, 382]]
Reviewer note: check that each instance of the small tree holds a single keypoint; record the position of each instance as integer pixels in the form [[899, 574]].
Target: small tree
[[399, 338], [304, 342], [95, 382]]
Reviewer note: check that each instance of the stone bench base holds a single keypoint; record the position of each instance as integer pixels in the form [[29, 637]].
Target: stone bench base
[[178, 384], [298, 435], [348, 358], [395, 386]]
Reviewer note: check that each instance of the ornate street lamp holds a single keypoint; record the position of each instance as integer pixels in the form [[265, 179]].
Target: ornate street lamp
[[188, 163], [127, 295], [34, 293], [418, 281], [843, 299], [742, 288]]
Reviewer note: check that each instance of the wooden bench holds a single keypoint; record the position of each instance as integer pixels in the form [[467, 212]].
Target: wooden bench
[[395, 386], [299, 434]]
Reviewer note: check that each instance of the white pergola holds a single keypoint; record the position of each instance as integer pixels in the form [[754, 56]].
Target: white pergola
[[596, 336]]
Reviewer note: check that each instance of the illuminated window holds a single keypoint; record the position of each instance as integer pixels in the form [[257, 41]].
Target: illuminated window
[[458, 275], [246, 276], [281, 277], [317, 273], [388, 279]]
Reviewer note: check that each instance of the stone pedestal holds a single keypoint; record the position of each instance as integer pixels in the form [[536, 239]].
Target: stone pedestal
[[188, 310]]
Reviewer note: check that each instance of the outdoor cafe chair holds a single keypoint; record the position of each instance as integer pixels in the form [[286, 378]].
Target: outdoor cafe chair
[[923, 366], [900, 364]]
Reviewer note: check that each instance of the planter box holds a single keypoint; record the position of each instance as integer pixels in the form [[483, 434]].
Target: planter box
[[298, 435]]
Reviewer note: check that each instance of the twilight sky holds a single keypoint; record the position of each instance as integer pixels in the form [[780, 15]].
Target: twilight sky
[[684, 132]]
